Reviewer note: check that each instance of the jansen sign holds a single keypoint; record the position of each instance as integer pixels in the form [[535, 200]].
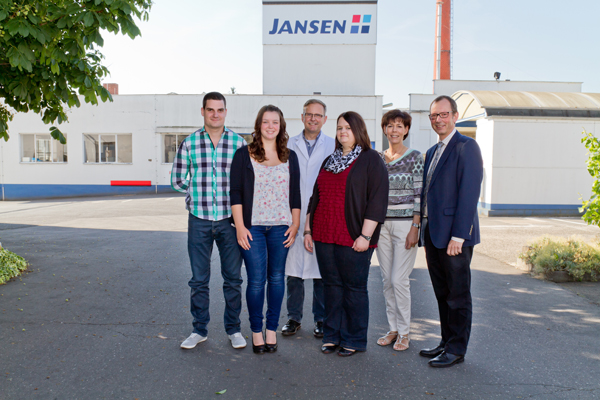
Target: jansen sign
[[320, 24]]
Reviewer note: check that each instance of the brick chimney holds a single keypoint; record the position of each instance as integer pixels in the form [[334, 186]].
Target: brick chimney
[[113, 88]]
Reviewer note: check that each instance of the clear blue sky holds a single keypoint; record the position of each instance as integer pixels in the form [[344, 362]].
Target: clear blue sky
[[193, 46]]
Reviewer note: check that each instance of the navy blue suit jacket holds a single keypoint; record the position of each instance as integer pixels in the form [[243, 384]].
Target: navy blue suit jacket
[[454, 192]]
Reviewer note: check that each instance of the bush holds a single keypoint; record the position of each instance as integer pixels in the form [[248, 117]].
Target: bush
[[11, 265], [573, 255]]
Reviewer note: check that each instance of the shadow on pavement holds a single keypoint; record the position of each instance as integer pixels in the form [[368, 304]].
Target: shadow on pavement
[[101, 314]]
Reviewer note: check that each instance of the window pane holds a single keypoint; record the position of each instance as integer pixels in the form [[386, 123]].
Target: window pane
[[181, 138], [108, 147], [59, 151], [28, 148], [124, 143], [170, 148], [43, 149], [90, 150]]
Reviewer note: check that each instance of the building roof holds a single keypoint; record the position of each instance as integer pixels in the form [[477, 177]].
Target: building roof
[[475, 104]]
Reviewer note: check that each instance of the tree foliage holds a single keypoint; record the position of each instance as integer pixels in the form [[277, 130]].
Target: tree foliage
[[591, 207], [49, 54]]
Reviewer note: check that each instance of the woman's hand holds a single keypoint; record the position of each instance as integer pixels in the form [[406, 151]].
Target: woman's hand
[[360, 244], [243, 235], [291, 235], [412, 238], [308, 242]]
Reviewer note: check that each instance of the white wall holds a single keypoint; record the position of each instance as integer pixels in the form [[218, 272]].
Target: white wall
[[147, 118], [328, 69], [537, 162]]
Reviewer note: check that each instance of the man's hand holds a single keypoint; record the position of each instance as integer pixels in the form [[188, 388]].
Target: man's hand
[[454, 248]]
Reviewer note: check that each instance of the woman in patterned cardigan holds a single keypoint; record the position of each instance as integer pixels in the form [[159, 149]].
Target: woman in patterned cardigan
[[397, 249]]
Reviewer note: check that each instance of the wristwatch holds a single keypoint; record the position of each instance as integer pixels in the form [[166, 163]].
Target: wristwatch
[[307, 233], [416, 225], [366, 237]]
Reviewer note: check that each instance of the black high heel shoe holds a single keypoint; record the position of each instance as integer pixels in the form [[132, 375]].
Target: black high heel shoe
[[260, 349], [271, 348]]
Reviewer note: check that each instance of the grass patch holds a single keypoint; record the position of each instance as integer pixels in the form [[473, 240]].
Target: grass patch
[[11, 265], [580, 259]]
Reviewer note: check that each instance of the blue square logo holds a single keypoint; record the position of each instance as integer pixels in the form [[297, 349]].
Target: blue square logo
[[366, 19], [354, 29], [365, 29]]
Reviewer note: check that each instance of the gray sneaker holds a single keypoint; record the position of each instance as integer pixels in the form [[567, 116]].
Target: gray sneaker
[[192, 341], [237, 341]]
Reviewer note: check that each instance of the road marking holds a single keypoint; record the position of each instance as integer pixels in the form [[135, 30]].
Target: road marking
[[513, 226], [170, 198], [570, 222], [125, 201]]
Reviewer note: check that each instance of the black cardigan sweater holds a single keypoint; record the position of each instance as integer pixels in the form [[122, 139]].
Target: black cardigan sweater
[[241, 180], [366, 197]]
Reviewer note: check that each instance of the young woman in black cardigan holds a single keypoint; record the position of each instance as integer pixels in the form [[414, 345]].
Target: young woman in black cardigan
[[346, 210], [265, 203]]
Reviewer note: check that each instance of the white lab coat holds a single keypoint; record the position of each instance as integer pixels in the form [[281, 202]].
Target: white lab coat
[[301, 263]]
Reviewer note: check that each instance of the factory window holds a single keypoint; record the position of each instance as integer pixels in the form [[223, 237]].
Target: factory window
[[107, 149], [42, 148], [171, 144]]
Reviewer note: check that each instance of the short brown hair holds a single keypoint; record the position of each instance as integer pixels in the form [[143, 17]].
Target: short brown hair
[[453, 105], [214, 96], [393, 115], [256, 147], [359, 130]]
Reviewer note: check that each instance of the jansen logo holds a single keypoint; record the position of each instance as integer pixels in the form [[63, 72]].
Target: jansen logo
[[360, 23]]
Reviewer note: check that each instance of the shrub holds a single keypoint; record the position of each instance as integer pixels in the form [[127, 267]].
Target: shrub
[[548, 254], [11, 265]]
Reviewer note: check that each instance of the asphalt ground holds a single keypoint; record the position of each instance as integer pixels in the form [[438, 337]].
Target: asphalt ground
[[104, 307]]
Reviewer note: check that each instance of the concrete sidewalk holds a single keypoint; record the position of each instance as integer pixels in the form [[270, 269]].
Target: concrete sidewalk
[[104, 308]]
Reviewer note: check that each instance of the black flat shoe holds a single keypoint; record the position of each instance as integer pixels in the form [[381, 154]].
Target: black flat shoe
[[318, 332], [346, 352], [290, 328], [446, 360], [271, 348], [329, 349], [260, 349], [432, 353]]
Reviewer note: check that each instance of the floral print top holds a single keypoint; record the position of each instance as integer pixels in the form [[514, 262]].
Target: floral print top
[[271, 203]]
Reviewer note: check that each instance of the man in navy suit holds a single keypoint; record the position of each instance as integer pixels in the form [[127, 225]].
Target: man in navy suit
[[450, 228]]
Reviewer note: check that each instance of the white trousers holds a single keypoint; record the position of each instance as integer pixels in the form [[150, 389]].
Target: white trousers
[[396, 264]]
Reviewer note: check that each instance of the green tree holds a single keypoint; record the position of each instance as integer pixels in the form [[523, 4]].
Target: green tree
[[591, 207], [49, 54]]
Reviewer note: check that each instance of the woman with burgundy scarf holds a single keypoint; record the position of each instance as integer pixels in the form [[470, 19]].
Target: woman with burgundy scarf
[[345, 214]]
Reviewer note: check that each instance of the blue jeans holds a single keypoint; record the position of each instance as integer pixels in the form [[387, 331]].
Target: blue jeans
[[295, 299], [201, 236], [265, 262], [345, 274]]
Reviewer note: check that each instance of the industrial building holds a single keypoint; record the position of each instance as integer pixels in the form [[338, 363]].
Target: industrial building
[[529, 132]]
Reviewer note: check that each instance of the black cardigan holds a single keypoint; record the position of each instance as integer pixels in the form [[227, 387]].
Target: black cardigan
[[242, 183], [367, 191]]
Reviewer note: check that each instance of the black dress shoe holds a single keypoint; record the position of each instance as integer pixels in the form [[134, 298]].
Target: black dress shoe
[[318, 332], [445, 360], [432, 353], [329, 349], [346, 352], [290, 328]]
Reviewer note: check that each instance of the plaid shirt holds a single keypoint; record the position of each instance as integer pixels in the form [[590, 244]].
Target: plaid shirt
[[202, 172]]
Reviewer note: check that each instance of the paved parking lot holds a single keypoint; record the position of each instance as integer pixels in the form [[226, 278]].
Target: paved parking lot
[[104, 307]]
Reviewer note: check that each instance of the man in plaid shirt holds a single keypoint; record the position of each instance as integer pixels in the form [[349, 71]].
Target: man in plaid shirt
[[201, 171]]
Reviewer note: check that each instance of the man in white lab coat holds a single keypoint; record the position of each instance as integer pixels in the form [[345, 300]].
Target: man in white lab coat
[[312, 147]]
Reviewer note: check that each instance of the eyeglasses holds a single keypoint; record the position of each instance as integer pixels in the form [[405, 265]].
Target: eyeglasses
[[442, 115], [315, 116]]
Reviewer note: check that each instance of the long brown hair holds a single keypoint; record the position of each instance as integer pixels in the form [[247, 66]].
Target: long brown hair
[[359, 130], [257, 149]]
